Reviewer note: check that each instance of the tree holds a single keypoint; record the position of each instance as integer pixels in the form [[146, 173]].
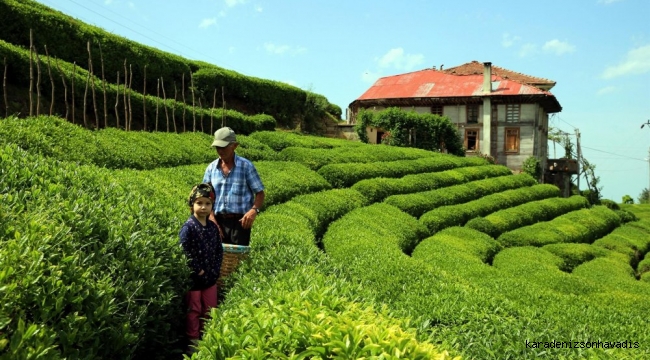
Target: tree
[[644, 197], [627, 199]]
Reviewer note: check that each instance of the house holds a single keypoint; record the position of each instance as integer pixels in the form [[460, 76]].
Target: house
[[497, 111]]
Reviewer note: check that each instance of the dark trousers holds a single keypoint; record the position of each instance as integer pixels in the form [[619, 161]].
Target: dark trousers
[[233, 232]]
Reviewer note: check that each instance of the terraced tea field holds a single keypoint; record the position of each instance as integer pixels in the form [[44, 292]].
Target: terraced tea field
[[360, 251]]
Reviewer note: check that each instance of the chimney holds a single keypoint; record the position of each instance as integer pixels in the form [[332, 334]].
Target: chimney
[[487, 77]]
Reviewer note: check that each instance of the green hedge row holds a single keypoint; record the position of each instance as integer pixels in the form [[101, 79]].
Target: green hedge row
[[456, 247], [279, 140], [67, 39], [287, 300], [317, 158], [573, 254], [90, 267], [580, 226], [171, 115], [114, 148], [419, 203], [631, 239], [515, 217], [285, 180], [457, 215], [346, 175], [380, 188]]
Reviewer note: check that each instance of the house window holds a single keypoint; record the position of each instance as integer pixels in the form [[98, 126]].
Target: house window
[[472, 114], [512, 141], [512, 112], [436, 110], [471, 140]]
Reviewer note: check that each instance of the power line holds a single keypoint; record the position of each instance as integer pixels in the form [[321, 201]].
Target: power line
[[607, 152]]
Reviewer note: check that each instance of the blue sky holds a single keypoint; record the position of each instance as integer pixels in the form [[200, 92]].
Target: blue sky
[[598, 52]]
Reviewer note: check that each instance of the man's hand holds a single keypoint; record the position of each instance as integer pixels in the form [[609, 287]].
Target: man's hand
[[201, 273], [248, 219]]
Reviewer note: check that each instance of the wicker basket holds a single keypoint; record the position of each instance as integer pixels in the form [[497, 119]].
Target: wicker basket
[[232, 255]]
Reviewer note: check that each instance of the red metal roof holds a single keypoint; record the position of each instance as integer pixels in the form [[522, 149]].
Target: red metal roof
[[438, 84], [476, 68]]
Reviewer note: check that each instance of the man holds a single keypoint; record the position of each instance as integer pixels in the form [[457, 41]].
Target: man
[[238, 187]]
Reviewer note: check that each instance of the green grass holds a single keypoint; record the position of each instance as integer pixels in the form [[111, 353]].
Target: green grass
[[642, 211]]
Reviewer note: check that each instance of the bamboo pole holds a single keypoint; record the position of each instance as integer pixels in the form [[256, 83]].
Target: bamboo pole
[[117, 102], [49, 72], [174, 108], [184, 102], [144, 99], [214, 105], [130, 107], [85, 96], [126, 83], [223, 107], [65, 87], [38, 83], [92, 84], [74, 73], [4, 89], [162, 84], [157, 100], [101, 57], [193, 108], [31, 72], [201, 118]]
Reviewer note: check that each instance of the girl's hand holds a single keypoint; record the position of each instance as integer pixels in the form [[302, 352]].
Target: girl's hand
[[201, 273]]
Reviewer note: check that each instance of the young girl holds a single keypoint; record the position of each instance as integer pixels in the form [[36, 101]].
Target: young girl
[[201, 243]]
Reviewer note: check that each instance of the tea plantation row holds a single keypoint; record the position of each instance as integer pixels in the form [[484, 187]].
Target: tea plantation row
[[331, 261]]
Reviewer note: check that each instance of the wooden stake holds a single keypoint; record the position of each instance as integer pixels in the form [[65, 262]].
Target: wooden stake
[[201, 119], [144, 99], [74, 73], [65, 88], [49, 72], [85, 96], [31, 72], [214, 105], [38, 82], [117, 101], [193, 108], [126, 83], [174, 108], [92, 84], [157, 100], [184, 102], [162, 84], [4, 89], [101, 57], [223, 108], [130, 107]]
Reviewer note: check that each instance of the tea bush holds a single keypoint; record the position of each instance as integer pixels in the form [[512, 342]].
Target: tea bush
[[530, 213], [457, 215], [378, 189], [580, 226], [419, 203], [346, 175], [279, 140]]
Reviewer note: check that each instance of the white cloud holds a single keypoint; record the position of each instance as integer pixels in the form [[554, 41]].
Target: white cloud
[[108, 2], [131, 5], [527, 50], [558, 47], [607, 2], [283, 49], [259, 8], [231, 3], [637, 61], [205, 23], [606, 90], [397, 59], [231, 50], [508, 40]]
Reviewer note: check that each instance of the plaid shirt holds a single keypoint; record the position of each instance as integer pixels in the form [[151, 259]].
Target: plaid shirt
[[236, 191]]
